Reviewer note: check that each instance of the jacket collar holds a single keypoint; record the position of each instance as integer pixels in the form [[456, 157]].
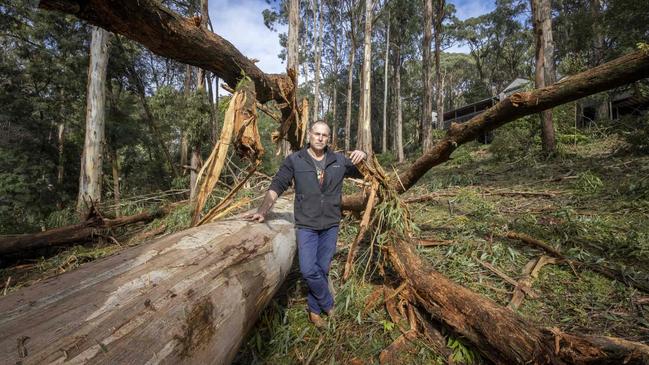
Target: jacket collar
[[330, 157]]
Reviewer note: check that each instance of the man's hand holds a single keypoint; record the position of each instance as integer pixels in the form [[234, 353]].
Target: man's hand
[[357, 156], [259, 218]]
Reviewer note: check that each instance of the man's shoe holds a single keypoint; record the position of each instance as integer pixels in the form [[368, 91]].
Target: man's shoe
[[330, 313], [317, 320]]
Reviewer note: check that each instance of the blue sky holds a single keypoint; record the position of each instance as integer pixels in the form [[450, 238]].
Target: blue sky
[[241, 23]]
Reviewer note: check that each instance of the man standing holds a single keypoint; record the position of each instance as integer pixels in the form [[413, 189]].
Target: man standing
[[317, 173]]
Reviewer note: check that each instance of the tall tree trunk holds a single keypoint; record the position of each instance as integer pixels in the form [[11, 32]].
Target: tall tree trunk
[[292, 53], [398, 125], [60, 139], [598, 55], [92, 156], [384, 134], [364, 139], [318, 61], [350, 82], [426, 137], [440, 6], [184, 140], [544, 70], [214, 109], [200, 88], [334, 127], [114, 163]]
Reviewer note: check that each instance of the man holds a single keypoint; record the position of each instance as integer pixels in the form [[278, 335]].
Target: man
[[318, 175]]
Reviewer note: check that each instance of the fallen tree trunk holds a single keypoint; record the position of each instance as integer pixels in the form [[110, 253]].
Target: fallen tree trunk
[[501, 335], [188, 298], [621, 71], [80, 232], [183, 39]]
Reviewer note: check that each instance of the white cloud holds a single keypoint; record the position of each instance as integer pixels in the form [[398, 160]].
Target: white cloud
[[242, 24], [471, 8]]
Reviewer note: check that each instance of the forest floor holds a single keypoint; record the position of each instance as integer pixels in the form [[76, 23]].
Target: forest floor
[[591, 202]]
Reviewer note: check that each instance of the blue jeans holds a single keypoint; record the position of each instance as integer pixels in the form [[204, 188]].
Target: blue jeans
[[316, 249]]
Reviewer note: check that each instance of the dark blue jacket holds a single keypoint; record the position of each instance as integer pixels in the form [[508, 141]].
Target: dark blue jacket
[[314, 207]]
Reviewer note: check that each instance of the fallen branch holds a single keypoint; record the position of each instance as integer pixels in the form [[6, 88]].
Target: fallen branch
[[81, 232], [501, 335], [524, 285], [618, 72], [603, 270]]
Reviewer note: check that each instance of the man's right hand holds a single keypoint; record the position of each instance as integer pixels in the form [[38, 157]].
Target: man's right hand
[[257, 217]]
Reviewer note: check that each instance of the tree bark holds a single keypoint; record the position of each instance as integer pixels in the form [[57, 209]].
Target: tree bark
[[114, 163], [544, 66], [364, 136], [92, 156], [76, 233], [318, 61], [426, 137], [350, 82], [440, 14], [384, 134], [188, 298], [398, 122], [501, 335], [618, 72]]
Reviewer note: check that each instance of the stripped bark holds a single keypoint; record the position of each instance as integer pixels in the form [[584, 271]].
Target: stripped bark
[[92, 158], [621, 71], [187, 298]]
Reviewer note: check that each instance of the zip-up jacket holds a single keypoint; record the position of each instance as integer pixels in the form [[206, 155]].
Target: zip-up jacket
[[315, 207]]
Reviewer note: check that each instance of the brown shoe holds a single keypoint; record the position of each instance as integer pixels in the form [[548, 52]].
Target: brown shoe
[[317, 320]]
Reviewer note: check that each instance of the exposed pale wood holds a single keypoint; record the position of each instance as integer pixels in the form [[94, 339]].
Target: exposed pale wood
[[92, 157], [187, 298], [524, 284]]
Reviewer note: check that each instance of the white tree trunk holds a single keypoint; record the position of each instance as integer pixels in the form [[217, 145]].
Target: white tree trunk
[[427, 110], [318, 61], [350, 82], [188, 298], [92, 156], [364, 139]]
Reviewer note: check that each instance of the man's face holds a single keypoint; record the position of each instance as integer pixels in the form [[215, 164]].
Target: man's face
[[319, 136]]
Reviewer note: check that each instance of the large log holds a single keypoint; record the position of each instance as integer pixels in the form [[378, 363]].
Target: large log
[[621, 71], [500, 334], [188, 298], [80, 232]]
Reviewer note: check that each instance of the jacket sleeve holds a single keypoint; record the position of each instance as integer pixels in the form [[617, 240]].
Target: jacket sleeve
[[350, 169], [283, 178]]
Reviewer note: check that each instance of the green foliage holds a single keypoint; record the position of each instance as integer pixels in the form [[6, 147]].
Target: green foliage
[[461, 353], [516, 140], [635, 131], [589, 183]]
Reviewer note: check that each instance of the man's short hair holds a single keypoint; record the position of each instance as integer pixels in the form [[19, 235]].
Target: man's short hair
[[320, 121]]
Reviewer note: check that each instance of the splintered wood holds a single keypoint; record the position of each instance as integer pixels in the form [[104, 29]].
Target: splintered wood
[[241, 117]]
